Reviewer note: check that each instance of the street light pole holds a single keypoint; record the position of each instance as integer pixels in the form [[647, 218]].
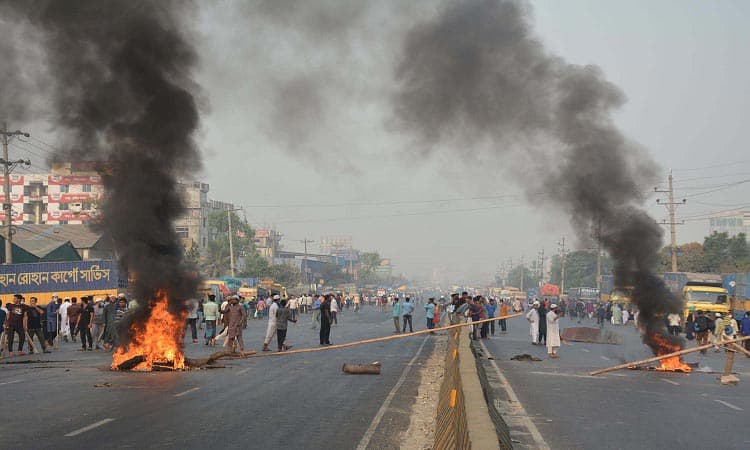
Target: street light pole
[[7, 205], [231, 240]]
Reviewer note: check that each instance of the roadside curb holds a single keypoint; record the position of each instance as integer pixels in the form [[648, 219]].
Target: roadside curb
[[463, 419]]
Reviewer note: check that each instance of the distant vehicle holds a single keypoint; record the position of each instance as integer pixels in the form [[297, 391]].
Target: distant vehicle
[[621, 295], [273, 287], [215, 287], [699, 291], [550, 292], [585, 294]]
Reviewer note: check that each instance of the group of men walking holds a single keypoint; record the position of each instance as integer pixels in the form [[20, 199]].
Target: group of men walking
[[92, 320]]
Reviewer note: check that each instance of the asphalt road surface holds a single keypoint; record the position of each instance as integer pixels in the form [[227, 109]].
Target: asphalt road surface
[[61, 400], [560, 406]]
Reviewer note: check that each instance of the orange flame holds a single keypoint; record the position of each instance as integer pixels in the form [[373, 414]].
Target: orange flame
[[159, 341], [673, 363]]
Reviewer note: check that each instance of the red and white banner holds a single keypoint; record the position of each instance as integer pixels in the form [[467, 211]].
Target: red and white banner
[[67, 197], [54, 180]]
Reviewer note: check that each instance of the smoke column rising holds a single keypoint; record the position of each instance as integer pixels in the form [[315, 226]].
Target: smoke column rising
[[122, 93], [474, 78]]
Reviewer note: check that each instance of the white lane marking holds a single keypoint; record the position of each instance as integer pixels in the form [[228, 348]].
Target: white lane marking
[[10, 382], [670, 381], [89, 427], [572, 375], [187, 392], [729, 405], [387, 402], [523, 415], [243, 371], [605, 358], [586, 350]]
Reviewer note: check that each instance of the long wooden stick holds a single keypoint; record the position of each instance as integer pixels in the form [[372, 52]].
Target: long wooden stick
[[382, 338], [739, 348], [668, 355]]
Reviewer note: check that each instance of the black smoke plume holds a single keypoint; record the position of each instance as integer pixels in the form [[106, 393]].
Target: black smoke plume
[[475, 78], [122, 93]]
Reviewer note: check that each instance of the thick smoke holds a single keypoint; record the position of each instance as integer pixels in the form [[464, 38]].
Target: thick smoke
[[123, 94], [475, 78]]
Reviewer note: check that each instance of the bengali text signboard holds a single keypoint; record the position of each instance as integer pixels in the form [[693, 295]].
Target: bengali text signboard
[[58, 276]]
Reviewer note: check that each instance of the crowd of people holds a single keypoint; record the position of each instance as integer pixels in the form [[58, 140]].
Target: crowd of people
[[92, 320]]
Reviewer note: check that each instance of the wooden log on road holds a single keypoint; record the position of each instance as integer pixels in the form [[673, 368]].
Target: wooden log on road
[[202, 362], [130, 364], [668, 355], [360, 369]]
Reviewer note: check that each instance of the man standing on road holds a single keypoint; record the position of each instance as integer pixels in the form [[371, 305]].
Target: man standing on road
[[553, 330], [396, 315], [674, 324], [293, 305], [491, 308], [52, 307], [84, 323], [211, 314], [64, 325], [235, 314], [192, 318], [74, 312], [271, 329], [542, 324], [97, 324], [504, 311], [325, 320], [406, 309], [334, 310], [533, 318], [430, 313], [702, 329], [14, 324], [315, 311], [33, 323]]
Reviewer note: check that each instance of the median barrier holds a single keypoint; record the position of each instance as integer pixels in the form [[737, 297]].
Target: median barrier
[[463, 418]]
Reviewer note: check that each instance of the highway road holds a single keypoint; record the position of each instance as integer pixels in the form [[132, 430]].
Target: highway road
[[69, 399], [557, 405]]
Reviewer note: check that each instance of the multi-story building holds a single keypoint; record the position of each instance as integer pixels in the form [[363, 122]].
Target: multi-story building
[[193, 225], [67, 195], [71, 193], [730, 222]]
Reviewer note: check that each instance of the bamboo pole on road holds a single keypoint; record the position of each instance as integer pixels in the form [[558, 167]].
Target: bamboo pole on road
[[382, 338], [668, 355]]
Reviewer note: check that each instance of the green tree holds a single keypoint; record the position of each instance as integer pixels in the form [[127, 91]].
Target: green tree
[[368, 262], [725, 254], [530, 278], [192, 254], [580, 269], [690, 258]]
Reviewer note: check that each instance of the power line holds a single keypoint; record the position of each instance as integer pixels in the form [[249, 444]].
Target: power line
[[743, 161], [394, 202], [382, 216]]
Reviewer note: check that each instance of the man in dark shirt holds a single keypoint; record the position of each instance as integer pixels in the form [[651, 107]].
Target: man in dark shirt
[[14, 324], [33, 323], [84, 323], [325, 320], [74, 311]]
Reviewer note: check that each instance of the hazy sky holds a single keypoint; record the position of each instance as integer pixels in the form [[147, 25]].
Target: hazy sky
[[299, 130]]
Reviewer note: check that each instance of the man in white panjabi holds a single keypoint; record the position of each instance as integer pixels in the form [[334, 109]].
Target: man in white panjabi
[[553, 331], [64, 325], [533, 317], [271, 329]]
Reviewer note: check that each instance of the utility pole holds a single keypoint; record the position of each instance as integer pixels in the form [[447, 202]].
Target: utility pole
[[523, 269], [672, 231], [305, 278], [231, 239], [563, 256], [599, 258], [541, 267], [8, 167]]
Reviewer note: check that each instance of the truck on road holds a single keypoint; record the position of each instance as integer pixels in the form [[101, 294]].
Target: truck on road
[[699, 291]]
